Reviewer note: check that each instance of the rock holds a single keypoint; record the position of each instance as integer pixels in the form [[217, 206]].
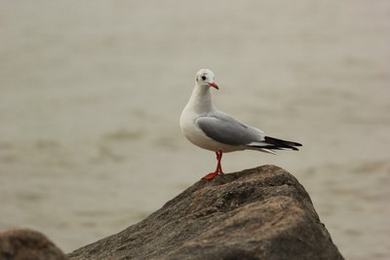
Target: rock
[[26, 244], [260, 213]]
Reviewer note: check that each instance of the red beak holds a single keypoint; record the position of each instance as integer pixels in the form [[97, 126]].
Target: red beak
[[213, 84]]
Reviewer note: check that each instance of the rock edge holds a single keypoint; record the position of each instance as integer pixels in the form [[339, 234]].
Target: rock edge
[[259, 213]]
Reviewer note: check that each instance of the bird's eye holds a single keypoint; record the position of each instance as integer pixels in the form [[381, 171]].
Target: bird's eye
[[204, 77]]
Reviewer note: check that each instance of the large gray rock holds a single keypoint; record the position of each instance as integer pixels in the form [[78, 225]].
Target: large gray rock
[[261, 213], [26, 244]]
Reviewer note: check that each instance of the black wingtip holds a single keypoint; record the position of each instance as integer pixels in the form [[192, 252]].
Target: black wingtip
[[282, 143], [274, 147]]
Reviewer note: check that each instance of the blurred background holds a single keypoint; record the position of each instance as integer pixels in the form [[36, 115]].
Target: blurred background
[[91, 93]]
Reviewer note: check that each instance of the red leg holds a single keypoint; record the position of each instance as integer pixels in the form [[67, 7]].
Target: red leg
[[219, 164], [218, 170]]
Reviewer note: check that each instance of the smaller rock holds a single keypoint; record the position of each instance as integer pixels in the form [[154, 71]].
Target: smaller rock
[[26, 244]]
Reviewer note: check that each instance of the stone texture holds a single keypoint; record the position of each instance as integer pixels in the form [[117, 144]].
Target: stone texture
[[26, 244], [260, 213]]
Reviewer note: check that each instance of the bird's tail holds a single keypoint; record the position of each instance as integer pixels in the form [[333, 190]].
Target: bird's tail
[[281, 143], [271, 143]]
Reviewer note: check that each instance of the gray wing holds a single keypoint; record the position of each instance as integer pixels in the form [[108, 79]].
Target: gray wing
[[227, 130]]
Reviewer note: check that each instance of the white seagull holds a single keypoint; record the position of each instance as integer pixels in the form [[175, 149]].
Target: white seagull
[[207, 127]]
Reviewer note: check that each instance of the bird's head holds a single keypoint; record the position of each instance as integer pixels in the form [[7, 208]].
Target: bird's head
[[206, 78]]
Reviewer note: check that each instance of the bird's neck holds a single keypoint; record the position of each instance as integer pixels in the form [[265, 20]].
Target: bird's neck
[[200, 100]]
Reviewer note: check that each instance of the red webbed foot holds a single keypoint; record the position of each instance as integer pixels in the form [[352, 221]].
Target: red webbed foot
[[218, 171], [211, 176]]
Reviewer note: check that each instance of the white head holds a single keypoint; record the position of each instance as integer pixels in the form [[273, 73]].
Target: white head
[[206, 78]]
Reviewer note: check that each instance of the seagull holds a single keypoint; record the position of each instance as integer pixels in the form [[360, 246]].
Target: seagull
[[211, 129]]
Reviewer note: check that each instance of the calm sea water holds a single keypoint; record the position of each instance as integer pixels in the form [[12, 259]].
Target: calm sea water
[[91, 93]]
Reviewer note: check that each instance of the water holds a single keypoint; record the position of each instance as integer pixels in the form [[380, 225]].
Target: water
[[91, 93]]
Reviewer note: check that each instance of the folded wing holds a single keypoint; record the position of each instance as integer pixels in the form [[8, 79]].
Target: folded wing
[[227, 130]]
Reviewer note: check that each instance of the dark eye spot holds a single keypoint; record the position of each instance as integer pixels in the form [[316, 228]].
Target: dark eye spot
[[204, 77]]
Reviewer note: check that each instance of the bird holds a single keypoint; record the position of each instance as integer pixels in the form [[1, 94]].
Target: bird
[[211, 129]]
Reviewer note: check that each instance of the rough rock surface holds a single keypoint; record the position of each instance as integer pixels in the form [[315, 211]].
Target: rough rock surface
[[260, 213], [26, 244]]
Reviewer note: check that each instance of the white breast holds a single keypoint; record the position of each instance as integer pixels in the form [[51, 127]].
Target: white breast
[[200, 103], [196, 136]]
